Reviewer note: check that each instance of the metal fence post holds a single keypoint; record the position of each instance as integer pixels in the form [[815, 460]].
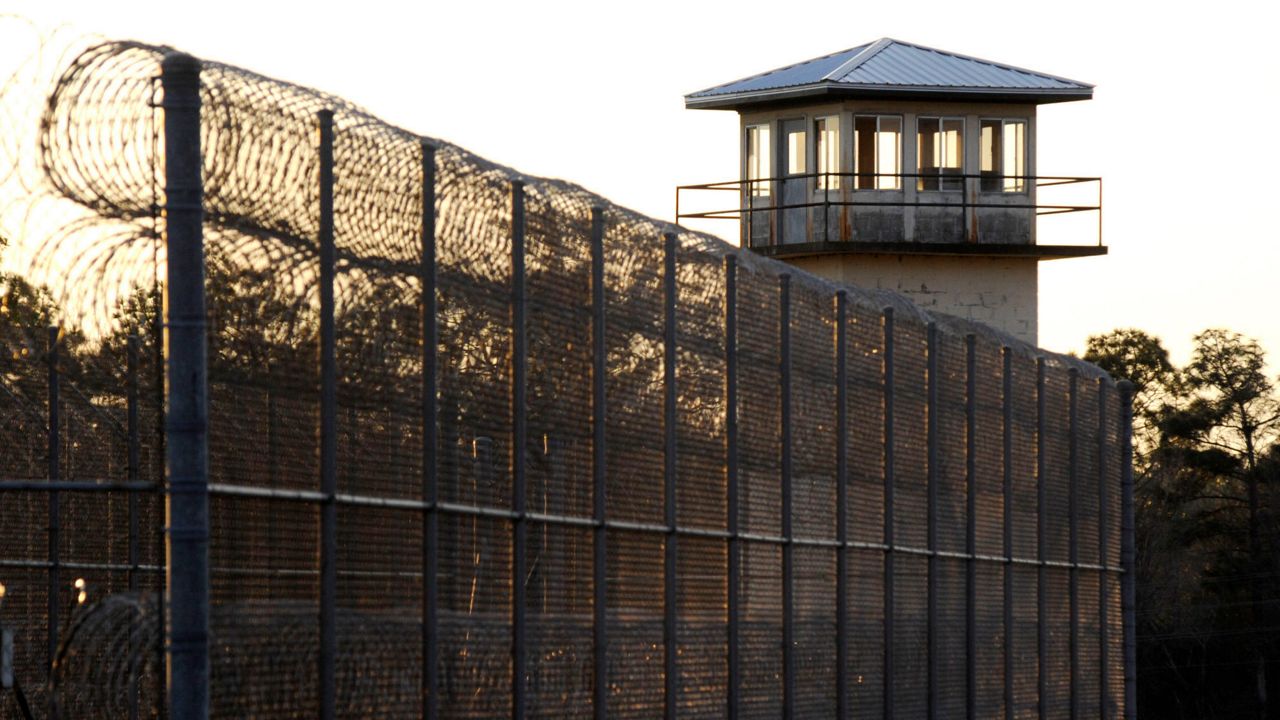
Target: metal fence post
[[931, 509], [134, 454], [160, 470], [971, 525], [731, 475], [842, 507], [188, 416], [430, 441], [1073, 535], [1105, 709], [599, 467], [889, 552], [55, 520], [328, 432], [670, 596], [1042, 541], [1128, 553], [788, 551], [519, 451], [1006, 402]]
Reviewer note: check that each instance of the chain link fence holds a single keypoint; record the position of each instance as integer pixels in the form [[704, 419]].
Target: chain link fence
[[481, 444]]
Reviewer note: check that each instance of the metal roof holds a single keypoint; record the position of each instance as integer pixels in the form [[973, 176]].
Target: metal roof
[[892, 68]]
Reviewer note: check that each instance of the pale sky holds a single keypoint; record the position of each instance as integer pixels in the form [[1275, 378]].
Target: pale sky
[[592, 92]]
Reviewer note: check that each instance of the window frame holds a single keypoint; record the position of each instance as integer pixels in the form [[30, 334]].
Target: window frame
[[823, 183], [1023, 184], [957, 183], [875, 178], [802, 158], [758, 186]]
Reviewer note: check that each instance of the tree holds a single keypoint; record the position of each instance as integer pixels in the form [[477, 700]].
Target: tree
[[1134, 355], [1207, 536], [1232, 418], [1236, 397], [26, 313]]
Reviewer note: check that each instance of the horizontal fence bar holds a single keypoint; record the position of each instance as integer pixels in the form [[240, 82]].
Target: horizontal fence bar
[[225, 571], [73, 485], [124, 567], [551, 519], [312, 496], [20, 564]]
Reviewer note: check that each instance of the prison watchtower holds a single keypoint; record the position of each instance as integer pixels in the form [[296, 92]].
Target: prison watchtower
[[899, 166]]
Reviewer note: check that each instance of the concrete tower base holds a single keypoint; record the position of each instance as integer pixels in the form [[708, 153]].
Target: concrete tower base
[[1000, 291]]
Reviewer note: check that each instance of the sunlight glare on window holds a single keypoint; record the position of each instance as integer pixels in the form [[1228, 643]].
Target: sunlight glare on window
[[1015, 162], [927, 146], [758, 159], [940, 146], [795, 152], [953, 140], [1003, 161], [878, 151], [987, 147], [889, 154], [826, 139]]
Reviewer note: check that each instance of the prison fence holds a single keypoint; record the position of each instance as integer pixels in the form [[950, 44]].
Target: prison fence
[[441, 440]]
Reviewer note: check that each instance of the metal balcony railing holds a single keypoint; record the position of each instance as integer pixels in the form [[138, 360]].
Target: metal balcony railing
[[829, 206]]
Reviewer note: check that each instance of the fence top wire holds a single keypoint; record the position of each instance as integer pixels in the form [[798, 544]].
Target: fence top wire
[[100, 146]]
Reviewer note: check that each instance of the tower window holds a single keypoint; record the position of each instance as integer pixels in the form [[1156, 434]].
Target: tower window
[[940, 153], [758, 160], [1004, 155], [826, 149], [796, 150], [877, 141]]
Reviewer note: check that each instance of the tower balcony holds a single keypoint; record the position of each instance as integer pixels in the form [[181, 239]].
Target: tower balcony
[[951, 214]]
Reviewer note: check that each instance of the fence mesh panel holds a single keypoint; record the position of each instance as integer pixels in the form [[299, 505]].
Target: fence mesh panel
[[956, 519]]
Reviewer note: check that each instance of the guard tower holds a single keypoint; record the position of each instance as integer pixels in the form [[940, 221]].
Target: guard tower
[[893, 165]]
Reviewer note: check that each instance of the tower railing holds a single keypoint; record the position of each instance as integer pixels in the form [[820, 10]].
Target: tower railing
[[828, 205]]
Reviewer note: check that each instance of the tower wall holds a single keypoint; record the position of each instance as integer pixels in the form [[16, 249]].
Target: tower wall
[[1001, 292]]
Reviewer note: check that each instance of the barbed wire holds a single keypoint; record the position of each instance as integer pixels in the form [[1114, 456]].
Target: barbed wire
[[100, 146], [263, 657]]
